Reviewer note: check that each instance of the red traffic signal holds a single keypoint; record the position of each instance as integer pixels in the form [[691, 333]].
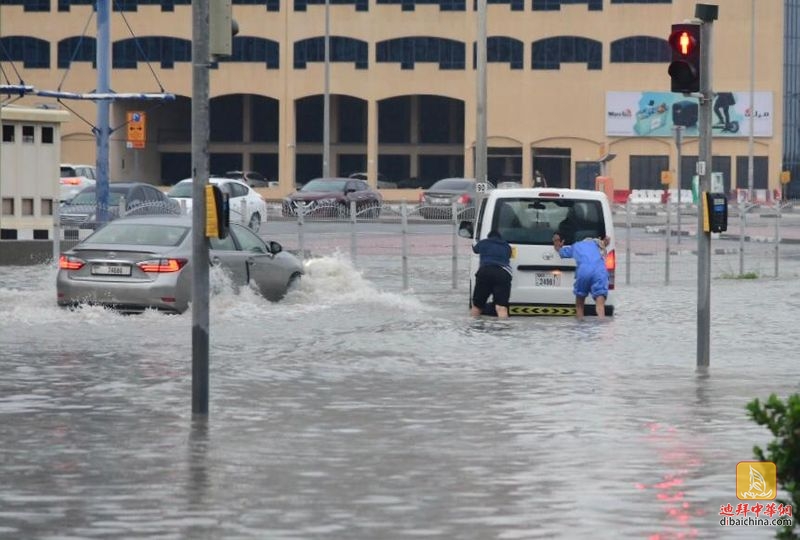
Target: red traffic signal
[[684, 70]]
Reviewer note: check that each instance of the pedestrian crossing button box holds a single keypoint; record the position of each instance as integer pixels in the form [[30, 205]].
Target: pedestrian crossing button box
[[717, 212]]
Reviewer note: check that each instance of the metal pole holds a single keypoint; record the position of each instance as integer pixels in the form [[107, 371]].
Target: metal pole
[[301, 210], [777, 235], [404, 236], [628, 242], [678, 143], [704, 173], [103, 130], [667, 248], [326, 105], [353, 231], [454, 241], [200, 134], [480, 117], [742, 233], [752, 96]]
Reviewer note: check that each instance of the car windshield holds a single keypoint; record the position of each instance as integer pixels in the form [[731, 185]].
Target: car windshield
[[139, 234], [534, 221], [181, 189], [452, 184], [325, 186], [68, 171], [88, 196]]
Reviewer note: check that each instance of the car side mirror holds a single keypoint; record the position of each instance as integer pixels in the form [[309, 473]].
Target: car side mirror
[[275, 248], [465, 229]]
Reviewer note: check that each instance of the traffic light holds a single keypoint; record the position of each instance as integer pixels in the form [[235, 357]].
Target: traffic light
[[684, 70], [218, 216], [222, 28]]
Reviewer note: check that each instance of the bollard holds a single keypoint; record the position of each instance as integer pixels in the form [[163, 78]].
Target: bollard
[[184, 210], [777, 235], [245, 221], [742, 230], [454, 214], [301, 208], [628, 242], [122, 207], [404, 236], [353, 231], [669, 233], [56, 232]]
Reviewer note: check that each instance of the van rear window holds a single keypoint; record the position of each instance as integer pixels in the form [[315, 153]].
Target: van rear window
[[528, 220]]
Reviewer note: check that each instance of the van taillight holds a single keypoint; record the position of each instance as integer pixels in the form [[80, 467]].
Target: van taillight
[[611, 266], [464, 199]]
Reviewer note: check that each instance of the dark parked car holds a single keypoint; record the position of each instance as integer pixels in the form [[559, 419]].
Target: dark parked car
[[331, 197], [251, 178], [437, 201], [139, 199]]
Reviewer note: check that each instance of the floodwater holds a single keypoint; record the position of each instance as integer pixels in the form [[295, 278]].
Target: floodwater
[[355, 410]]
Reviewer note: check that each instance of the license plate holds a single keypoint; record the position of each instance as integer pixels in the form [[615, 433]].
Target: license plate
[[547, 279], [111, 270]]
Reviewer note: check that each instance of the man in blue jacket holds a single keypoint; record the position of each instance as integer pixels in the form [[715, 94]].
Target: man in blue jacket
[[493, 275], [591, 275]]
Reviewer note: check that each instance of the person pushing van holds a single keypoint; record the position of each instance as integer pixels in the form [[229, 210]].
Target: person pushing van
[[493, 275], [591, 275]]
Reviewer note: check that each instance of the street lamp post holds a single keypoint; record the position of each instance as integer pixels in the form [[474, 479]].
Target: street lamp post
[[326, 103]]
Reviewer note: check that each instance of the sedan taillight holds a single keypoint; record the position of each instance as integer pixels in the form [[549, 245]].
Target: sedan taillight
[[67, 262], [161, 266], [70, 181]]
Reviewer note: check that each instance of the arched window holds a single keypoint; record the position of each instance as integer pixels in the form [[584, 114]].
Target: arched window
[[448, 53], [77, 49], [28, 5], [342, 49], [32, 52], [640, 49], [361, 5], [126, 53], [500, 49], [549, 53], [255, 49], [444, 5], [555, 5]]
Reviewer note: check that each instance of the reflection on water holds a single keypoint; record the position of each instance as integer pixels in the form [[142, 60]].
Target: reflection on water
[[352, 410]]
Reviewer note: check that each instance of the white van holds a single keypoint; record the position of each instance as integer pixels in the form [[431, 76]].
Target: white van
[[527, 218]]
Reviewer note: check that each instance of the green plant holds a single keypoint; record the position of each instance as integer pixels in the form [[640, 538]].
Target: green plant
[[783, 421]]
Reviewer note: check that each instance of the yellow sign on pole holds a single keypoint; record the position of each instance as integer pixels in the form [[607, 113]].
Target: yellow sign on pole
[[786, 177], [666, 178], [137, 129]]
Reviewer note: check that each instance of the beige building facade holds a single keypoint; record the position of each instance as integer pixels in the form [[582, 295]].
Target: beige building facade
[[403, 89]]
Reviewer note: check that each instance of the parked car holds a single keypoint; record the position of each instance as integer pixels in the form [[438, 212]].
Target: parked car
[[246, 206], [251, 178], [437, 201], [331, 197], [383, 183], [527, 218], [139, 198], [74, 178], [144, 262]]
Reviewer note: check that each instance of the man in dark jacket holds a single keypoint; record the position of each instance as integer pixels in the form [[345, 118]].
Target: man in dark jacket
[[493, 275]]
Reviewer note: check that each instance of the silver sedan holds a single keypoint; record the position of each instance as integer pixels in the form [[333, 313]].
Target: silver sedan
[[144, 262]]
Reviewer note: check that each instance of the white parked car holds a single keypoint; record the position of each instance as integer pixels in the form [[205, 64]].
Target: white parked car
[[247, 207], [527, 218], [74, 178]]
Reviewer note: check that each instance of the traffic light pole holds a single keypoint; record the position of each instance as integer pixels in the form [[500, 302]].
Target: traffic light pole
[[707, 14]]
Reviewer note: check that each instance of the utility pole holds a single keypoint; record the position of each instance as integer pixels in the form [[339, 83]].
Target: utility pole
[[103, 129], [707, 13], [480, 117], [678, 143], [200, 133], [326, 105]]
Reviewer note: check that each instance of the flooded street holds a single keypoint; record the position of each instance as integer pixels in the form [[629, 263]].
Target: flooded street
[[355, 410]]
